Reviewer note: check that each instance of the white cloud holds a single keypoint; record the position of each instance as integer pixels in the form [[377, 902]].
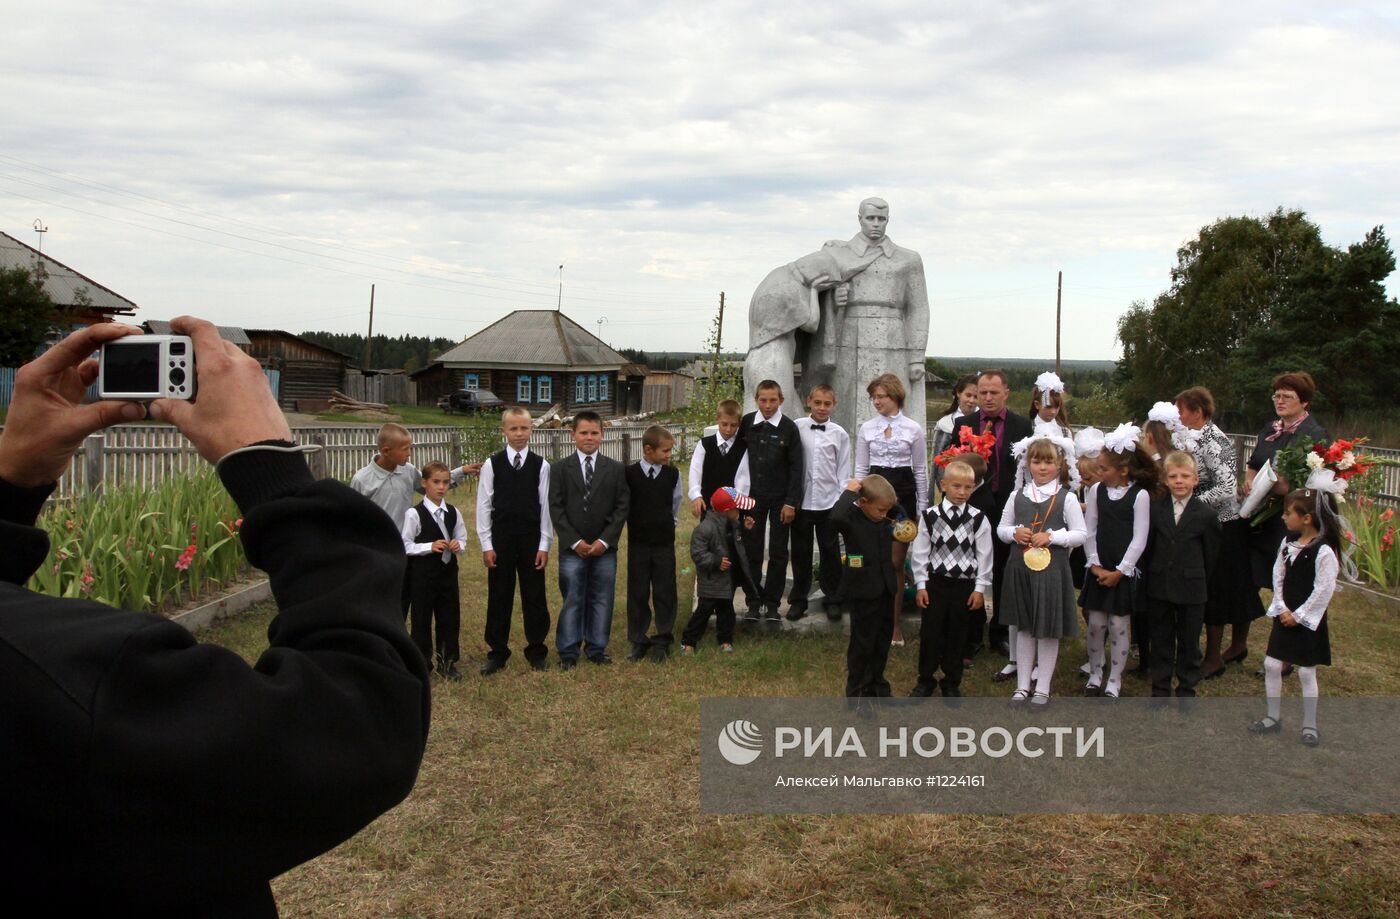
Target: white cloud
[[665, 152]]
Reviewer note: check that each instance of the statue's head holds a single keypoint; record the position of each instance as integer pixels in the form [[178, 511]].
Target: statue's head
[[874, 217]]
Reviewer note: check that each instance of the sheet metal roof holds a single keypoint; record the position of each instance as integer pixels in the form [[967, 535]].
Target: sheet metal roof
[[539, 338], [228, 333], [63, 283]]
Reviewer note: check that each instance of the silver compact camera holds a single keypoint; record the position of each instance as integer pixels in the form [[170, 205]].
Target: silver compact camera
[[145, 367]]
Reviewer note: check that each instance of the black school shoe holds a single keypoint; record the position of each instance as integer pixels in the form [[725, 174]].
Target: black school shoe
[[795, 613], [659, 653], [492, 665], [638, 652], [568, 663], [921, 691], [1266, 725]]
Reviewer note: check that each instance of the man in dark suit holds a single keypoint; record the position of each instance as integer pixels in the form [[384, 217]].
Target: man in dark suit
[[992, 413], [1185, 543], [588, 502], [776, 481]]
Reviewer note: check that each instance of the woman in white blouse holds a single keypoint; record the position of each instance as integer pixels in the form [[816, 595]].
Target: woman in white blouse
[[893, 445]]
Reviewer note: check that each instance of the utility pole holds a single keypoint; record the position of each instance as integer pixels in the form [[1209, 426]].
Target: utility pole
[[719, 337], [369, 336], [559, 305], [1059, 288], [41, 229]]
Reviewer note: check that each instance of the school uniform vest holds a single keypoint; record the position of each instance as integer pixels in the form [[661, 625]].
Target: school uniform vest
[[649, 518], [1299, 575], [769, 451], [953, 538], [428, 532], [1115, 525], [719, 470], [515, 495]]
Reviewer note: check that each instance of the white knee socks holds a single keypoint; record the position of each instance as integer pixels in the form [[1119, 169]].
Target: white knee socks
[[1098, 629], [1011, 655], [1307, 676], [1046, 650], [1121, 644], [1024, 646], [1273, 686]]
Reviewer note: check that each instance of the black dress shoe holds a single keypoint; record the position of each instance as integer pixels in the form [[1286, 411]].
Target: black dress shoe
[[833, 614], [638, 652], [659, 653], [770, 611], [599, 659], [1214, 674], [1001, 676], [451, 674], [753, 612], [491, 666], [1266, 725], [541, 665], [921, 691], [795, 613], [568, 663], [1237, 658], [952, 692]]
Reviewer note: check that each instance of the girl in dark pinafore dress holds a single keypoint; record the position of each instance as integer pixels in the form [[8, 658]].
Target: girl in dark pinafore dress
[[1305, 577], [1043, 522], [1118, 520]]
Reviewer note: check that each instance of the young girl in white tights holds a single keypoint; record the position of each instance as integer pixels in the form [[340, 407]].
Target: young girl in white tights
[[1305, 577], [1117, 518], [1043, 522]]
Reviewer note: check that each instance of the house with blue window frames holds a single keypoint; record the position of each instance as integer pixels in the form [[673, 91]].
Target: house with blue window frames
[[536, 358]]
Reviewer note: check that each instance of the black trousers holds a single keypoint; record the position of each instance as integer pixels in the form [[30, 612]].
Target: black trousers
[[435, 604], [515, 561], [977, 618], [651, 578], [705, 607], [1176, 647], [872, 627], [805, 526], [771, 582], [943, 631], [405, 594]]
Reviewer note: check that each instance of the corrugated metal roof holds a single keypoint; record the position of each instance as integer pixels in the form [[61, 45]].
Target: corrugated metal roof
[[228, 333], [63, 283], [539, 338]]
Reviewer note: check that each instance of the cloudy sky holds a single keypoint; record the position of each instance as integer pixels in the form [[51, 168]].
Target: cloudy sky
[[261, 164]]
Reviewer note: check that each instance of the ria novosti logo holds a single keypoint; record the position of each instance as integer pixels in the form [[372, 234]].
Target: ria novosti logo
[[740, 742]]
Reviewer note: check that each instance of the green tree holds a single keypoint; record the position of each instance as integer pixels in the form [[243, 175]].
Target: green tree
[[28, 317], [1250, 297]]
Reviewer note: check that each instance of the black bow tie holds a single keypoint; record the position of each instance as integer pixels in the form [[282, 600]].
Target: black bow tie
[[819, 427]]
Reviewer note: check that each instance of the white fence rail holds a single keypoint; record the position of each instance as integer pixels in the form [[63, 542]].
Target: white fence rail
[[148, 454]]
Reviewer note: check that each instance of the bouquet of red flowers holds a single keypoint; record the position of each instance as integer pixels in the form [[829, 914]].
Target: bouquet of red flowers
[[981, 444]]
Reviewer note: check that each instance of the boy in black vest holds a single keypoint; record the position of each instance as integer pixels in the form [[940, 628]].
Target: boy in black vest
[[512, 522], [867, 581], [1185, 543], [952, 561], [654, 499], [777, 481], [720, 460], [433, 536]]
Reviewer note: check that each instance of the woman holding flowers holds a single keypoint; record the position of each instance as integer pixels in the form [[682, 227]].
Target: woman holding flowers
[[1293, 394]]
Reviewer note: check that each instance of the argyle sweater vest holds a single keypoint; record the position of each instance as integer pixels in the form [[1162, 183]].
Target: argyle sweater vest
[[953, 552]]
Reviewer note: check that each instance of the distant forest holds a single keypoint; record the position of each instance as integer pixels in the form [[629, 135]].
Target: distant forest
[[406, 352]]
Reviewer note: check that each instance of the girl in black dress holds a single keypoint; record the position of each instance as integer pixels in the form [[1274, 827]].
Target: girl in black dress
[[1305, 576], [1118, 519]]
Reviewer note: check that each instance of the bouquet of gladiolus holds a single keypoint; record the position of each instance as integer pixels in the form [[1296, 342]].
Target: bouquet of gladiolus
[[1295, 462], [981, 444]]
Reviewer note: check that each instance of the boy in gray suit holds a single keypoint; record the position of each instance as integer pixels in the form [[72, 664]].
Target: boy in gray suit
[[588, 503]]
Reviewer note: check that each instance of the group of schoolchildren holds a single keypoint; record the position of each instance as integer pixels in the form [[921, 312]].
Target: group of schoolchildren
[[1045, 526]]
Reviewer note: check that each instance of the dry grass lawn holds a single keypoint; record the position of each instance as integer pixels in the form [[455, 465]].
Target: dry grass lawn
[[567, 794]]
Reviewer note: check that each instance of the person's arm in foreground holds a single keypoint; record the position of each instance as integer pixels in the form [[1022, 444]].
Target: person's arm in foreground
[[220, 775]]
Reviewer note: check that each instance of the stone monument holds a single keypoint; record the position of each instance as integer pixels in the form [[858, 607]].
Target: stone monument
[[847, 313]]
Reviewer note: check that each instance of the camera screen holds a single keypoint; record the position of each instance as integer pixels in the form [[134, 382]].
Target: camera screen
[[131, 368]]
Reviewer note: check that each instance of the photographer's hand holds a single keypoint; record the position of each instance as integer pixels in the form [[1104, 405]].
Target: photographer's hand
[[47, 421], [234, 405]]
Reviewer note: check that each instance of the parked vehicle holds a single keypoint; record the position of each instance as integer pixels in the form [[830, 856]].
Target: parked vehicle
[[471, 401]]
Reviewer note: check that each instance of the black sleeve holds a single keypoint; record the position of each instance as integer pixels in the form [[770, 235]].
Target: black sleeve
[[23, 546], [797, 473], [205, 773]]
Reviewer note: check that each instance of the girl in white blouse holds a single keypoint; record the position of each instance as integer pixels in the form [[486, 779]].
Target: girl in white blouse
[[1305, 577], [893, 445]]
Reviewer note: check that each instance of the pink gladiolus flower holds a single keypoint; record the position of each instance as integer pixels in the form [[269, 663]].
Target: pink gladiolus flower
[[68, 524], [88, 579], [1389, 513], [183, 562]]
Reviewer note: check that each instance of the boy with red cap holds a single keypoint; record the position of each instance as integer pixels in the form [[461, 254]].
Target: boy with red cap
[[717, 548]]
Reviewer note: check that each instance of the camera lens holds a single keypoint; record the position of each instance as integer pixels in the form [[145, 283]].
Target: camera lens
[[177, 347], [177, 376]]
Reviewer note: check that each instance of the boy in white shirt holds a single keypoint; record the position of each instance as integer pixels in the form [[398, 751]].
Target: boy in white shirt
[[826, 452], [433, 536]]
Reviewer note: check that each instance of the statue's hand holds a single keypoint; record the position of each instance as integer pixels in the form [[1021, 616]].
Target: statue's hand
[[843, 294], [916, 371], [822, 282]]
